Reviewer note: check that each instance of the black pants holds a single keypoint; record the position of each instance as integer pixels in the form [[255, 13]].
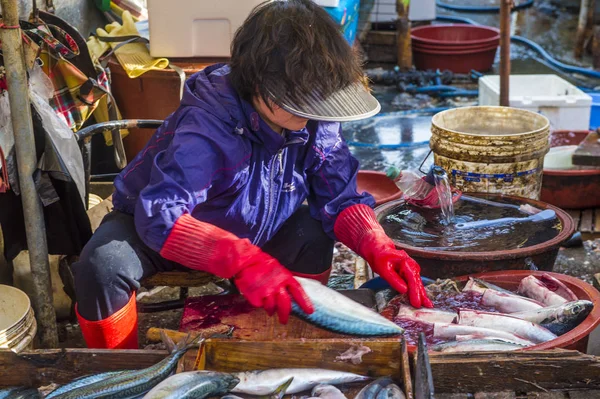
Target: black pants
[[115, 260]]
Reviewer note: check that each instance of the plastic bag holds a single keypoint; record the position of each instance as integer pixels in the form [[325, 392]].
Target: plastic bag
[[65, 158]]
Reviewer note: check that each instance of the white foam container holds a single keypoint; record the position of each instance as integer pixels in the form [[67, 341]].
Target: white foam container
[[421, 10], [327, 3], [565, 106], [195, 28]]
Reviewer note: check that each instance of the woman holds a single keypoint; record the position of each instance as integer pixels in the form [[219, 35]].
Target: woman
[[220, 187]]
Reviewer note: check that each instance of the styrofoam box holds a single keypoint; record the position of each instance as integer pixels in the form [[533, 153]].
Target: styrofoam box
[[327, 3], [195, 28], [565, 106], [385, 11]]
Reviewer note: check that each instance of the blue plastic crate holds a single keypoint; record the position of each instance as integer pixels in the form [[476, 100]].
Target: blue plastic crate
[[341, 13]]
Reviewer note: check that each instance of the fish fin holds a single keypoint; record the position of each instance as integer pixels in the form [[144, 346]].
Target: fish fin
[[171, 347], [279, 393]]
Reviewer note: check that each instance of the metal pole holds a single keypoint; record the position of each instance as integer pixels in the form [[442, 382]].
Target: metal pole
[[16, 79], [505, 9]]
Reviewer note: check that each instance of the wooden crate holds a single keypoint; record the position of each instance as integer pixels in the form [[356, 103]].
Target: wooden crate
[[587, 221], [558, 374]]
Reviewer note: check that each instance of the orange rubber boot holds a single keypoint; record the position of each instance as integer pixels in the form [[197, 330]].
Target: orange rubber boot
[[118, 331]]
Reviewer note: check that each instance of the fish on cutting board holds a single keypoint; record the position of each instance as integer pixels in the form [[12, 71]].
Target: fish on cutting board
[[193, 385], [335, 312], [264, 382], [559, 319], [534, 288], [497, 321]]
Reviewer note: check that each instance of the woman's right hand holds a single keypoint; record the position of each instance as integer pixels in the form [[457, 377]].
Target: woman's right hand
[[266, 283]]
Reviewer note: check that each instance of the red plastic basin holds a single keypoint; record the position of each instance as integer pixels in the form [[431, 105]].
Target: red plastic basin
[[571, 189], [378, 185], [455, 35], [577, 338], [458, 62], [459, 48]]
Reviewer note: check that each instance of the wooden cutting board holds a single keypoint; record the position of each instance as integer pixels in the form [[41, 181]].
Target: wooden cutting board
[[588, 152], [218, 314]]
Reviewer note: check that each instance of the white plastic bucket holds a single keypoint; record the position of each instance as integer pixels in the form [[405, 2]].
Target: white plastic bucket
[[492, 149]]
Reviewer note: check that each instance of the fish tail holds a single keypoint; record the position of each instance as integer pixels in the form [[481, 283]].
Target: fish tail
[[171, 347]]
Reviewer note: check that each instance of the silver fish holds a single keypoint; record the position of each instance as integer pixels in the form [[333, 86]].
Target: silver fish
[[392, 391], [20, 393], [83, 381], [335, 312], [535, 289], [264, 382], [426, 315], [508, 303], [490, 286], [559, 319], [193, 385], [472, 337], [370, 391], [451, 331], [325, 391], [558, 287], [476, 345], [498, 321], [134, 383]]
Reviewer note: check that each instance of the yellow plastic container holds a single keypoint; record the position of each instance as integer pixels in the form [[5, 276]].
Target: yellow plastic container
[[492, 149]]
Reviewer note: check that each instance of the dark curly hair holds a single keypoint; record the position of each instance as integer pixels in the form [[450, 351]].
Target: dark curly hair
[[294, 43]]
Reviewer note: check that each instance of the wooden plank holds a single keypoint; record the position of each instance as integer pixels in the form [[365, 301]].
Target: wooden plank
[[588, 152], [405, 368], [547, 395], [584, 394], [596, 281], [576, 216], [495, 395], [43, 367], [192, 278], [381, 38], [249, 323], [233, 355], [587, 221], [597, 220], [525, 371]]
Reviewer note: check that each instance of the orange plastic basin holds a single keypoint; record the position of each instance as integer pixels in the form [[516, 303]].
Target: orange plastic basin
[[378, 185]]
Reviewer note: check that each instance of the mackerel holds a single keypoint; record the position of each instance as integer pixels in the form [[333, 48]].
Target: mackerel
[[426, 315], [264, 382], [559, 319], [325, 391], [370, 391], [476, 345], [558, 287], [133, 384], [508, 303], [335, 312], [193, 385], [498, 321], [536, 289], [83, 381], [392, 391], [451, 331]]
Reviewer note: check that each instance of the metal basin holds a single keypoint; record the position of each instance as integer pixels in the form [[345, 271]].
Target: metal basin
[[448, 264]]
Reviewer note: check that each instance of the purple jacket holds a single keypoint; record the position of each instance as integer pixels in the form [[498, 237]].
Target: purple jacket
[[216, 159]]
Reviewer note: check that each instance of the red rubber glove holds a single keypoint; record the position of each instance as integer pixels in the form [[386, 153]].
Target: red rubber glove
[[259, 277], [357, 228]]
